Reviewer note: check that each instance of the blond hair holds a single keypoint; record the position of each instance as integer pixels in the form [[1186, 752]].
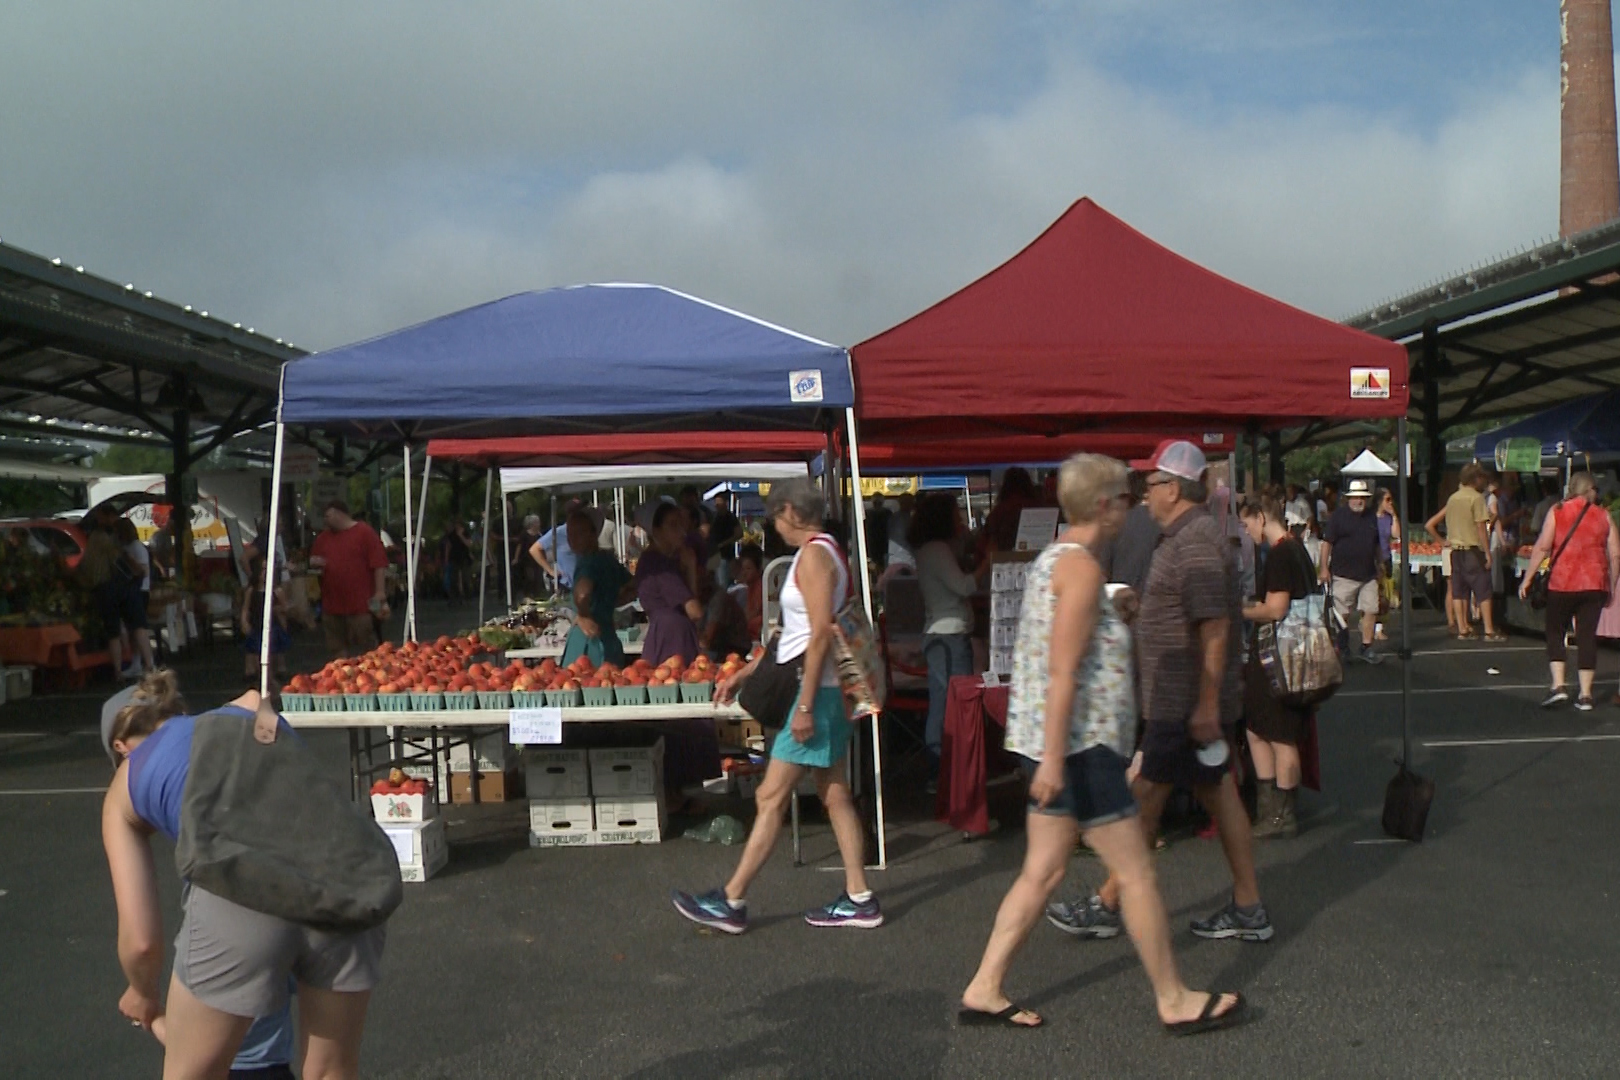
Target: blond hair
[[1087, 479], [1581, 483], [155, 700]]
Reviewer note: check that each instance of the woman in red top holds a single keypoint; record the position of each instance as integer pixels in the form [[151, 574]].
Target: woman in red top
[[1580, 585]]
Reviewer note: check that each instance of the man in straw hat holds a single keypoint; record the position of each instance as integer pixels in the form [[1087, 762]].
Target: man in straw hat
[[1351, 562]]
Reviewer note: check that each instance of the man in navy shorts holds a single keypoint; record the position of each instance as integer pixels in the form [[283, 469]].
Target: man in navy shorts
[[1190, 654]]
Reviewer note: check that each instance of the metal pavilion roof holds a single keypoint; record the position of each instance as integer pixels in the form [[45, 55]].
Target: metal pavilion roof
[[84, 357], [1537, 328]]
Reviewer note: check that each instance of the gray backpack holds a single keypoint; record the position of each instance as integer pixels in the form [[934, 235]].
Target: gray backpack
[[262, 826]]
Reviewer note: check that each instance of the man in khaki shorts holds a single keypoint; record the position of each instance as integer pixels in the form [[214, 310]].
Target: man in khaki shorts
[[1468, 535], [1350, 561], [354, 567]]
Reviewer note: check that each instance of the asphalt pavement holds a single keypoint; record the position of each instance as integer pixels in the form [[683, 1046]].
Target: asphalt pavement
[[1487, 950]]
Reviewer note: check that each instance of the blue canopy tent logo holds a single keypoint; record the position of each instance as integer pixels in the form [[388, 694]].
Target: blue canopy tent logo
[[804, 387]]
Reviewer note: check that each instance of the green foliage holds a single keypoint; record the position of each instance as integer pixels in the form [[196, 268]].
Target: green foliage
[[129, 460]]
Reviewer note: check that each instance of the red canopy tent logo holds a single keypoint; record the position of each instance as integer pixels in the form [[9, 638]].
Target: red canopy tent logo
[[1369, 382]]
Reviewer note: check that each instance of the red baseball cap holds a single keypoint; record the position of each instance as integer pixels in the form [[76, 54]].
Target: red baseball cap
[[1178, 457]]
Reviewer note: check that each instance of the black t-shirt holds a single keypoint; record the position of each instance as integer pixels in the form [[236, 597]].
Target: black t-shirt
[[1355, 543], [1287, 569]]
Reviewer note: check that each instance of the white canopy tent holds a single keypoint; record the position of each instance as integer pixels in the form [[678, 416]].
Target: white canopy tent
[[1368, 463], [592, 477]]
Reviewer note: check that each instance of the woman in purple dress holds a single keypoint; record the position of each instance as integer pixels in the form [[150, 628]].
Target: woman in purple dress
[[666, 583]]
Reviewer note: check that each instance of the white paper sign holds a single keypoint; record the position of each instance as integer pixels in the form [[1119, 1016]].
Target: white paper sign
[[1037, 527], [535, 727]]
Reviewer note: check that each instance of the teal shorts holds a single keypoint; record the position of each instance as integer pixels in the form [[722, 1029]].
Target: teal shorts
[[827, 746]]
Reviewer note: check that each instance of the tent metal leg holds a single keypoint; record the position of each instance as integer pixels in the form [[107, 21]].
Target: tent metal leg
[[410, 550], [269, 542], [421, 519], [506, 548], [866, 599], [1402, 469], [483, 547]]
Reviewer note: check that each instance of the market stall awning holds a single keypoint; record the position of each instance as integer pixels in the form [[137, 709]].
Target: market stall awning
[[49, 471], [1094, 325], [880, 458], [594, 477], [633, 448], [581, 359], [1587, 425]]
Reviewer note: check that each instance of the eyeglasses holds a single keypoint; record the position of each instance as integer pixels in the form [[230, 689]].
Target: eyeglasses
[[1163, 480]]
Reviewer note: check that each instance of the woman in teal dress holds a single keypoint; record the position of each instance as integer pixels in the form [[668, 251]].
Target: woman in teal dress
[[601, 583]]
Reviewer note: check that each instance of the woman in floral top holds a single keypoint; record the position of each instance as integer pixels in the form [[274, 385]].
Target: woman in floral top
[[1072, 664]]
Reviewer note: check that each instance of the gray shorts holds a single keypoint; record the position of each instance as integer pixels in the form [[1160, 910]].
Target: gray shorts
[[237, 960]]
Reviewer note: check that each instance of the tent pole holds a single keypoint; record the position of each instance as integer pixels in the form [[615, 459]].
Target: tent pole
[[421, 520], [506, 546], [410, 551], [556, 579], [269, 542], [483, 561], [1406, 597], [866, 600]]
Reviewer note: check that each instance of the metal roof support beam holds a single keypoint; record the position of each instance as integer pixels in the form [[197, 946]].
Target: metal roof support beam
[[1431, 420], [1601, 336]]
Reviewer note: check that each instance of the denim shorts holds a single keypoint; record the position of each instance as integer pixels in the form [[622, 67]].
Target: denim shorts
[[1095, 791]]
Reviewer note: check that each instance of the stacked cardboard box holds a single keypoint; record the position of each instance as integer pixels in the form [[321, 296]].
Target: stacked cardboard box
[[421, 847], [605, 795]]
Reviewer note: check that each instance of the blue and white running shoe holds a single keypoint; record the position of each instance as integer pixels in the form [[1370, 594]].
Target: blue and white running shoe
[[846, 912], [713, 910]]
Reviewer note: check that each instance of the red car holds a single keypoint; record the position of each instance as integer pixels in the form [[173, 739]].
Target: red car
[[55, 537]]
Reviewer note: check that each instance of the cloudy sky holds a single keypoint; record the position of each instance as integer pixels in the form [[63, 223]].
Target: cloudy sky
[[325, 172]]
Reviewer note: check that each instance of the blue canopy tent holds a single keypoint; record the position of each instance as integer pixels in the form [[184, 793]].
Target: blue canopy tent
[[1588, 426], [573, 360]]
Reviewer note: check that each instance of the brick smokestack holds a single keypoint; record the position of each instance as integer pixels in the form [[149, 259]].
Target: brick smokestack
[[1589, 174]]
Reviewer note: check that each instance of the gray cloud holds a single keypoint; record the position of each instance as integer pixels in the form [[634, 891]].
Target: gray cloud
[[327, 172]]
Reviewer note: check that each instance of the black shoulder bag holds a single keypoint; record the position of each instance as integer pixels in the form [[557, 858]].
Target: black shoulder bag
[[769, 694], [1540, 577]]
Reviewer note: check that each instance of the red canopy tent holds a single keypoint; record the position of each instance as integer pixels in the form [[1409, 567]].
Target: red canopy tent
[[1093, 325]]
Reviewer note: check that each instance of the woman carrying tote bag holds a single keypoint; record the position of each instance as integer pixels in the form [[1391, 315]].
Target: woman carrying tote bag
[[815, 730], [232, 962]]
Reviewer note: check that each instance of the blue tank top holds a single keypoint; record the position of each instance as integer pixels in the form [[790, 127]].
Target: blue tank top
[[157, 774]]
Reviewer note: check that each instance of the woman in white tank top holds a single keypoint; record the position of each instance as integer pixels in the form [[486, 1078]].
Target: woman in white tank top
[[818, 732]]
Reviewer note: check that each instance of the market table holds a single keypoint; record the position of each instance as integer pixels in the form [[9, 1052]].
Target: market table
[[962, 801], [448, 728], [540, 652]]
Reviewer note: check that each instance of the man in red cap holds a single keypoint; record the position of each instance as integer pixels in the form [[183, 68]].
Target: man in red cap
[[1190, 652]]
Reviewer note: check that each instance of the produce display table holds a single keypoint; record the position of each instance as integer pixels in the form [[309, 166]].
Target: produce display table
[[963, 801], [449, 728], [541, 652]]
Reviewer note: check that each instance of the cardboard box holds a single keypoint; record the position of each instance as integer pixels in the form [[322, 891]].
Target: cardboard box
[[557, 774], [422, 848], [628, 772], [745, 734], [560, 822], [637, 820], [19, 682], [493, 787], [495, 754], [403, 809]]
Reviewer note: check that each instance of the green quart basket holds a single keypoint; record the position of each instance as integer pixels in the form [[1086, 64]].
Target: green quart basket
[[563, 699], [630, 695], [326, 702], [360, 702], [426, 702], [697, 693], [460, 700], [494, 699], [597, 697], [664, 695], [528, 699], [393, 703], [296, 703]]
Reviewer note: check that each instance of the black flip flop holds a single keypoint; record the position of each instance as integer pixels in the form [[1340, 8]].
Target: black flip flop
[[1004, 1018], [1207, 1021]]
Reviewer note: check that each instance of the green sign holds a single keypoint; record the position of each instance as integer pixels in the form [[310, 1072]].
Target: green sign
[[1518, 455]]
